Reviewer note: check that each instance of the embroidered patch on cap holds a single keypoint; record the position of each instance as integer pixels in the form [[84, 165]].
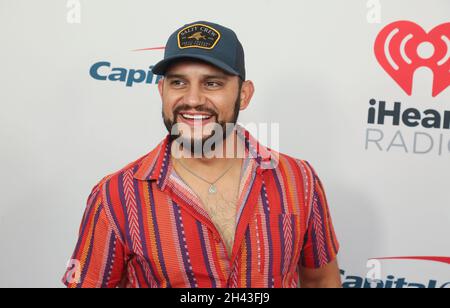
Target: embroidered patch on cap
[[198, 36]]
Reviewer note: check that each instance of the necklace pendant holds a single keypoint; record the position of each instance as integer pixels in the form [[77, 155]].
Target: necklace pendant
[[212, 189]]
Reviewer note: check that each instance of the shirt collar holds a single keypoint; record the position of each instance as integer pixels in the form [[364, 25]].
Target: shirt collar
[[154, 166]]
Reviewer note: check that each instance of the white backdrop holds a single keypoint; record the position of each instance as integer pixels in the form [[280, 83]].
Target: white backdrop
[[314, 68]]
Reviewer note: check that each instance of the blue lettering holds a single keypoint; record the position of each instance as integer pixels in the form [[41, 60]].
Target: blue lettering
[[94, 70], [128, 76], [118, 74]]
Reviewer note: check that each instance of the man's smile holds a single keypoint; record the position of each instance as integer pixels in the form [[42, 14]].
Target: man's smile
[[195, 118]]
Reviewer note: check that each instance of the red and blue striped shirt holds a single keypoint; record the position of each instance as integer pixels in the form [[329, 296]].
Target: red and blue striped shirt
[[144, 227]]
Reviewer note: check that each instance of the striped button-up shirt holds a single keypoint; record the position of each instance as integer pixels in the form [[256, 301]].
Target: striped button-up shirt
[[144, 227]]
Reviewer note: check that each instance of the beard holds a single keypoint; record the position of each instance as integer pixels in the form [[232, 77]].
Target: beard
[[226, 125]]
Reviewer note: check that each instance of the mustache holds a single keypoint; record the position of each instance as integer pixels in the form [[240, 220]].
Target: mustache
[[182, 108]]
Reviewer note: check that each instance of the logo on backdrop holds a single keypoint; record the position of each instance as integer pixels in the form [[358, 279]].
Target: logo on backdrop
[[403, 46], [445, 260], [106, 71], [375, 279]]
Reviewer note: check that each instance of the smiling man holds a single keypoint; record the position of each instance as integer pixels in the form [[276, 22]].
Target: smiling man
[[209, 206]]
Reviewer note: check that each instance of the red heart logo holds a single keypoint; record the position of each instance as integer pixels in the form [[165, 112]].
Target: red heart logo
[[397, 49]]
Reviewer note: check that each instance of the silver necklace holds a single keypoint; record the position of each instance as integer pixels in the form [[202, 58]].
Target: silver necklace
[[212, 185]]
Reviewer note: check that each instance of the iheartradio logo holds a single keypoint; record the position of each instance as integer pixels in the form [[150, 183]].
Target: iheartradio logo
[[403, 46]]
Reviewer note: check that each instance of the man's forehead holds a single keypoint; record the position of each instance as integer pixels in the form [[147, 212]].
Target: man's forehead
[[195, 67]]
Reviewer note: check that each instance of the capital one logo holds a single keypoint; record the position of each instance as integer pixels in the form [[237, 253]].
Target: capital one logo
[[403, 46]]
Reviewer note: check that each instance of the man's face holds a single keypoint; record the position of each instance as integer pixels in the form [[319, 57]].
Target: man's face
[[197, 96]]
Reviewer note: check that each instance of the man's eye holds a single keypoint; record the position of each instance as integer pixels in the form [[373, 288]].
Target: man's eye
[[177, 83], [213, 84]]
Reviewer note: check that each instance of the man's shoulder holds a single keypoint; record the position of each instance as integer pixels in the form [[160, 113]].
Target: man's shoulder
[[137, 168], [119, 175], [286, 161]]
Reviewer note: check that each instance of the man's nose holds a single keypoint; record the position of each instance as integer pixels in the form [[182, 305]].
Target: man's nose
[[193, 97]]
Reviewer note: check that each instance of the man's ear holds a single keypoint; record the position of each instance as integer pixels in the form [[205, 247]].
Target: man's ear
[[160, 86], [248, 88]]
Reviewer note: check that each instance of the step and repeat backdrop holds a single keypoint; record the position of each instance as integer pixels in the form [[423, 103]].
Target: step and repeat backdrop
[[358, 88]]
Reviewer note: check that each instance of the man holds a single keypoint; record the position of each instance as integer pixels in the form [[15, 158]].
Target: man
[[209, 206]]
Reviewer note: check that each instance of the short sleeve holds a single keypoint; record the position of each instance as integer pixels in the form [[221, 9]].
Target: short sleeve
[[320, 244], [98, 258]]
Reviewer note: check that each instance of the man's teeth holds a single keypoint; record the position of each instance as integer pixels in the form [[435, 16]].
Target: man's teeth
[[195, 117]]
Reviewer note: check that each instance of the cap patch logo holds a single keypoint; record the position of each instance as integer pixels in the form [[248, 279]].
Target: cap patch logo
[[198, 36]]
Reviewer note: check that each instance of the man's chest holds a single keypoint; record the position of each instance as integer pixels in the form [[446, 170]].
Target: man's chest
[[270, 240], [221, 208], [220, 203]]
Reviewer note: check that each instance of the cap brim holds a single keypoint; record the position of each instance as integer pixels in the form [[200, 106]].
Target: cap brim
[[161, 67]]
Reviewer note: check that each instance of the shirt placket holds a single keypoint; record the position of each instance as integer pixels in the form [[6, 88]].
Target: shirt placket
[[186, 198], [189, 200]]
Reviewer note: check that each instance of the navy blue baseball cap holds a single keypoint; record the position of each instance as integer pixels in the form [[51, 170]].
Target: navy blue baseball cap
[[206, 41]]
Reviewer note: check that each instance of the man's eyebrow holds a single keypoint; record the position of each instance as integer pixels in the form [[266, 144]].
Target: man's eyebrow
[[216, 76], [172, 76], [204, 77]]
